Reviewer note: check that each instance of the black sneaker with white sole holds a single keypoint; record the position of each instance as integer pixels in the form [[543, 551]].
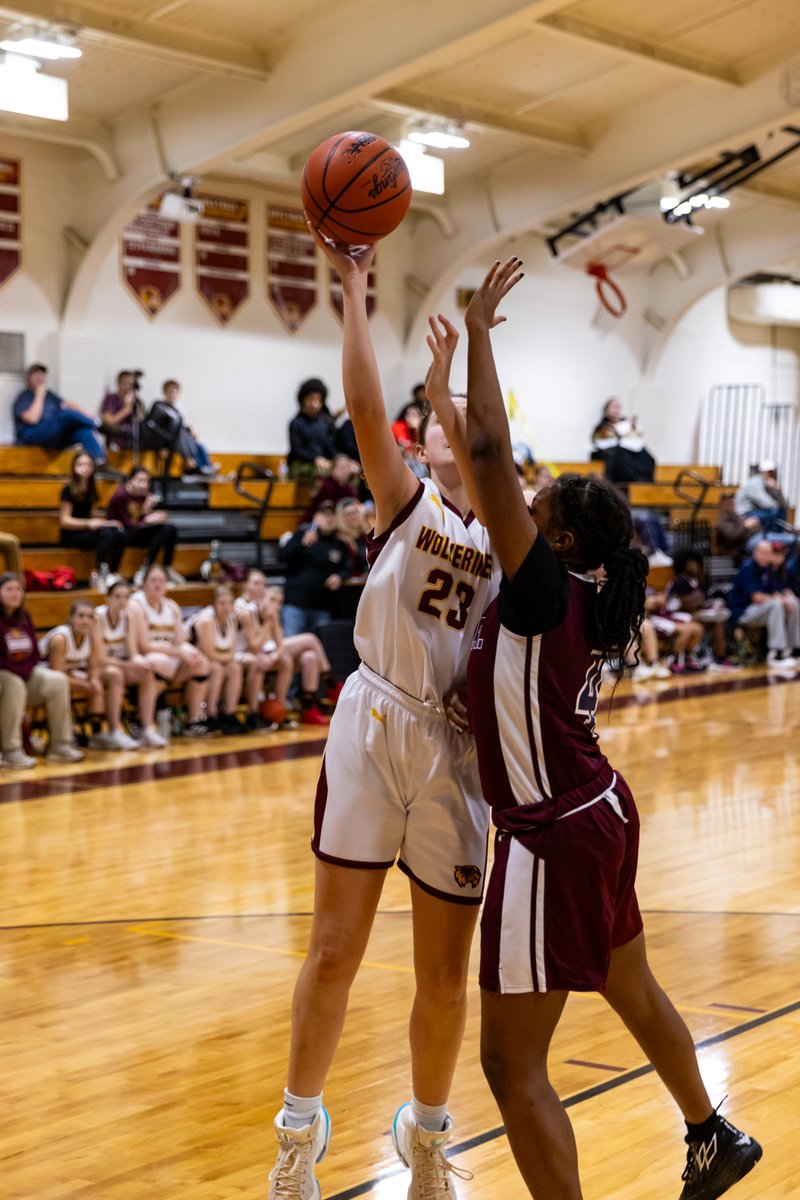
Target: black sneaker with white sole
[[719, 1161]]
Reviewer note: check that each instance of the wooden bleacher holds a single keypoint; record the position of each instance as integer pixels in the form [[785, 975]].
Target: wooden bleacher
[[31, 480]]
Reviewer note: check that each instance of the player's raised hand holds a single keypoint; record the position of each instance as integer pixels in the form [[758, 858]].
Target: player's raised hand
[[442, 342], [482, 309], [349, 261]]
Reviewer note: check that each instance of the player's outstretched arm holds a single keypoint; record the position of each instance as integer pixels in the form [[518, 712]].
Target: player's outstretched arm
[[512, 530], [442, 342], [390, 480]]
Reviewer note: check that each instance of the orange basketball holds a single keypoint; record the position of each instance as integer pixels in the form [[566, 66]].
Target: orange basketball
[[355, 188], [273, 712]]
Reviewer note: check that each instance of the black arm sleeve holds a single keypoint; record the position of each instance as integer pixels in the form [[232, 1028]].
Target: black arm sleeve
[[536, 599]]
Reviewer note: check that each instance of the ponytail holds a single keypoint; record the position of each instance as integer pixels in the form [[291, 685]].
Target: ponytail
[[600, 521]]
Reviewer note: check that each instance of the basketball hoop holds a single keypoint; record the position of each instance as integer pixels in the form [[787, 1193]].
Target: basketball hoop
[[609, 293]]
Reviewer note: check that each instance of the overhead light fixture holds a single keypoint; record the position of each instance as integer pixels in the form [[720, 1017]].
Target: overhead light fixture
[[426, 170], [42, 42], [23, 90], [440, 135]]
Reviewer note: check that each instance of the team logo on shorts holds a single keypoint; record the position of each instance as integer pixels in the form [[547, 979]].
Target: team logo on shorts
[[467, 875]]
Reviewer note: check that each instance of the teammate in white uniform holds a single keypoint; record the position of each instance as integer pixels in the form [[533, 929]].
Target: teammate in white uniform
[[157, 634], [213, 630], [112, 627], [396, 779], [73, 649]]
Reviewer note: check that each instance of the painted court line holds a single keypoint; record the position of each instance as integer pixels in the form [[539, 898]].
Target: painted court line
[[599, 1089]]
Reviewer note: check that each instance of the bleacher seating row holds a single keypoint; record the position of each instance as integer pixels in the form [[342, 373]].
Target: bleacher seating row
[[31, 480]]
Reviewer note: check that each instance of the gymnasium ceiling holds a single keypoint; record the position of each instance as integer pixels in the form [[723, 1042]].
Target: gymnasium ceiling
[[581, 98]]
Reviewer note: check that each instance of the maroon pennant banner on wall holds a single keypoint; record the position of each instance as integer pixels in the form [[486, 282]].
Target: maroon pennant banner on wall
[[335, 291], [291, 265], [222, 255], [151, 259], [10, 218]]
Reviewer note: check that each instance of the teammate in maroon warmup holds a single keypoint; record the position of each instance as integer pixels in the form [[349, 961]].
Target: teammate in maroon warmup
[[561, 910]]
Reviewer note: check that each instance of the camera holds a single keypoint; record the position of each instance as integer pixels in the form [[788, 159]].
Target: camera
[[137, 379]]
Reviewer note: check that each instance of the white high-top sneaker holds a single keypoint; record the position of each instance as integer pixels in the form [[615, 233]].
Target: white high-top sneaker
[[292, 1177], [423, 1151]]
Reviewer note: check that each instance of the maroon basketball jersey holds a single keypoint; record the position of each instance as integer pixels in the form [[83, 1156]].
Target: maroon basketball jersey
[[532, 703]]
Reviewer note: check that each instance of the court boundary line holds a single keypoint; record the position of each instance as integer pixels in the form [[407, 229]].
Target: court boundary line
[[386, 912], [25, 790], [598, 1089]]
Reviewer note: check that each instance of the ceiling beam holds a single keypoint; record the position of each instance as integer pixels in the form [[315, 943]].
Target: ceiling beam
[[185, 48], [635, 48], [405, 102], [84, 132]]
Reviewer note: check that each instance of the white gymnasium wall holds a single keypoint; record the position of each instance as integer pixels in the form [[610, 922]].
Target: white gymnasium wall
[[707, 349], [240, 382]]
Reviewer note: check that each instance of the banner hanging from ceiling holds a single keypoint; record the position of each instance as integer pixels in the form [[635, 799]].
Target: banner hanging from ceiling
[[151, 259], [291, 265], [222, 255], [10, 218]]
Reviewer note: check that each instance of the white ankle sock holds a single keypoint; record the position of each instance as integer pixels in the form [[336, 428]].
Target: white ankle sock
[[299, 1111], [431, 1117]]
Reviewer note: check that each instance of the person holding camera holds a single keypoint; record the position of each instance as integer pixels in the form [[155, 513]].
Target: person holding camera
[[118, 411], [136, 507]]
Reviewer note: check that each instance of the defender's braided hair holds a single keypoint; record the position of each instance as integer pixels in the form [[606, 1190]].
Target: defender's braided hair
[[599, 519]]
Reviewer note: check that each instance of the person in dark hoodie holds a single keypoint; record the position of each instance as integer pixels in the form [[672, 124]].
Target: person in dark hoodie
[[312, 437]]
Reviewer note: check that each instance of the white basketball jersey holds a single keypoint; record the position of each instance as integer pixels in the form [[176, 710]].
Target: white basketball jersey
[[431, 578], [76, 657], [223, 638], [162, 623], [115, 637]]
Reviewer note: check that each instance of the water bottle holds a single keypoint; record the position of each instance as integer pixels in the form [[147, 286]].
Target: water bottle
[[214, 563], [283, 470]]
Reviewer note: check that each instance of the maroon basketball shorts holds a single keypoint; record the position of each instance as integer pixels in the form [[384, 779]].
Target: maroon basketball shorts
[[561, 897]]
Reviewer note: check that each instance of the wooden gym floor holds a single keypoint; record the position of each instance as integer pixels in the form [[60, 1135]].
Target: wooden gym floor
[[156, 909]]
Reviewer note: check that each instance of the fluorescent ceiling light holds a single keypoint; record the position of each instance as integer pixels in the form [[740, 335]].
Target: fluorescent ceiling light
[[23, 90], [441, 137], [426, 170], [40, 43]]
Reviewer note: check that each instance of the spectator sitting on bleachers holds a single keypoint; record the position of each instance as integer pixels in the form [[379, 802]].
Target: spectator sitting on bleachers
[[303, 653], [83, 526], [12, 558], [317, 562], [787, 566], [112, 629], [758, 599], [681, 633], [136, 509], [334, 487], [349, 524], [213, 630], [761, 498], [72, 649], [687, 593], [405, 427], [194, 454], [733, 532], [42, 418], [117, 412], [619, 443], [256, 647], [26, 683], [157, 634], [312, 440]]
